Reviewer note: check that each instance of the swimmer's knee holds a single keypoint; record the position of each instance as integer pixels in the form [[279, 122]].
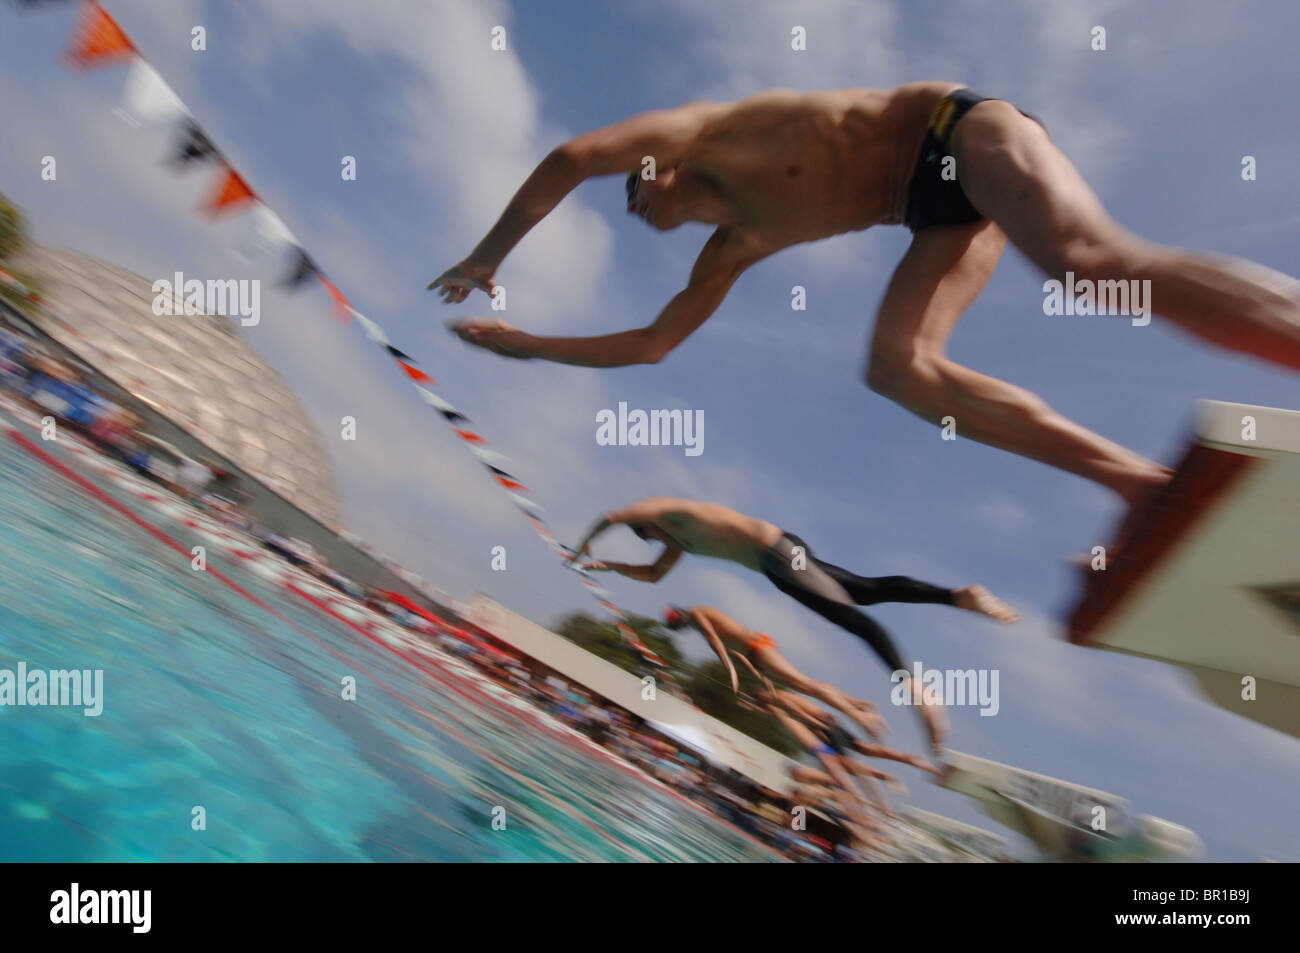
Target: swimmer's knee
[[902, 377]]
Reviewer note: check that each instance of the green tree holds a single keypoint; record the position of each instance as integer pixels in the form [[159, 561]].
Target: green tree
[[13, 241], [708, 685], [604, 640]]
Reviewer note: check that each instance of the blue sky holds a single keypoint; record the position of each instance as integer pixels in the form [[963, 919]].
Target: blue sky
[[444, 130]]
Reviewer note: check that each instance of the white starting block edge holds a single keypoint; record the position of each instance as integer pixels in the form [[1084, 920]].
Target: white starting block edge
[[1222, 425], [1032, 804]]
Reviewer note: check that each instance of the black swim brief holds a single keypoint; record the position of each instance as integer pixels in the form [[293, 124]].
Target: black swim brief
[[839, 740], [931, 198]]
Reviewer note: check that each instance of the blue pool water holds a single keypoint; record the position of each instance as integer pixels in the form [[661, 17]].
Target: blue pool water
[[212, 701]]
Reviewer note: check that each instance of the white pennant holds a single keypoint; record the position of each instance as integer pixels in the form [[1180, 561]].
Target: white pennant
[[523, 501], [435, 401], [148, 98], [486, 455], [373, 331], [266, 233]]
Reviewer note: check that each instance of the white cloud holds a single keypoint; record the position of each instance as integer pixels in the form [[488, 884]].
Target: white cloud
[[468, 120]]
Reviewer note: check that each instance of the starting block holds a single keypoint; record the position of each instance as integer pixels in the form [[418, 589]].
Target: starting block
[[1209, 576]]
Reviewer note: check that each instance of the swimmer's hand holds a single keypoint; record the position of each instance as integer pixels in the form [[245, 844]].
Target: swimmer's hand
[[458, 281], [495, 336], [596, 565]]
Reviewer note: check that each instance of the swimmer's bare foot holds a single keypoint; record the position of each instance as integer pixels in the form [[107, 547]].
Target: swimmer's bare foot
[[916, 761], [978, 599], [936, 723]]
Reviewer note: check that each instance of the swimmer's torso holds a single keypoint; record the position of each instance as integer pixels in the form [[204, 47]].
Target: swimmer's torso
[[707, 529], [799, 166]]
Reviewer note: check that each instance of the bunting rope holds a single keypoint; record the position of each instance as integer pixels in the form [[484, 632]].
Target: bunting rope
[[99, 41]]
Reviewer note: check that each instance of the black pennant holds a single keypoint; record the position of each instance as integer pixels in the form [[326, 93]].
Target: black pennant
[[303, 268], [194, 145], [400, 355]]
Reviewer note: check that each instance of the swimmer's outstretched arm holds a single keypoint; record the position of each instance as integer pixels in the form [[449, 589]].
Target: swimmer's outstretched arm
[[641, 573], [724, 258], [643, 511], [614, 150], [715, 643], [601, 525]]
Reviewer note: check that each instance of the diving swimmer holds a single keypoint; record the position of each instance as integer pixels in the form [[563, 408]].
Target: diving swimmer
[[709, 529], [963, 171]]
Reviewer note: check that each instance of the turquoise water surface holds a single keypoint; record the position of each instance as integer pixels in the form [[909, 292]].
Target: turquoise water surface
[[212, 701]]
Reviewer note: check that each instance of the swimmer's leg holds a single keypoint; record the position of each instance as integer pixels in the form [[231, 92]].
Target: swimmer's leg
[[869, 590], [890, 754], [867, 771], [856, 804], [1011, 172], [851, 619], [943, 271], [862, 712], [812, 776]]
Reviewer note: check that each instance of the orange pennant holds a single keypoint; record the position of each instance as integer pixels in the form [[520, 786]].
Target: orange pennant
[[468, 436], [233, 191], [98, 39], [342, 306], [415, 374]]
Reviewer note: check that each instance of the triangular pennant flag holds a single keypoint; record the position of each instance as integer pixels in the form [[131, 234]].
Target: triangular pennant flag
[[193, 144], [148, 98], [454, 416], [486, 454], [415, 374], [434, 400], [524, 503], [342, 307], [510, 484], [270, 228], [303, 268], [400, 355], [373, 331], [266, 234], [468, 436], [232, 191], [97, 39]]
